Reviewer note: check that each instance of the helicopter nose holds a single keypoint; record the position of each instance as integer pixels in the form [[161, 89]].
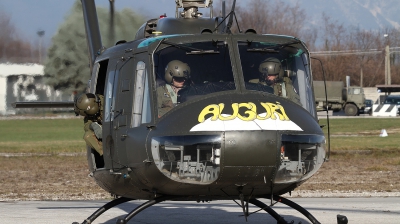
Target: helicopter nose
[[249, 156], [250, 148], [271, 156], [238, 142]]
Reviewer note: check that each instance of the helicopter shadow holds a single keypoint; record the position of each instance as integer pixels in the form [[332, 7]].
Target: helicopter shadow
[[225, 212]]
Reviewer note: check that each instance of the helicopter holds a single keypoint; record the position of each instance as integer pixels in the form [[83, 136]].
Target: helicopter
[[226, 137]]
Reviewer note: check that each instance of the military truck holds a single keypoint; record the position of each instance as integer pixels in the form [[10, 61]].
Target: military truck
[[350, 99]]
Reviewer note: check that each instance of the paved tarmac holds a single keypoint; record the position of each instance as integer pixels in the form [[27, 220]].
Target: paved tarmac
[[358, 210]]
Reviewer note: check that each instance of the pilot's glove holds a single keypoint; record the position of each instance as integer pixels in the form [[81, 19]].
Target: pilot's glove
[[96, 127]]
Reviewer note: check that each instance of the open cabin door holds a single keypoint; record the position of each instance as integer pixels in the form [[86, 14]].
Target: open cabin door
[[117, 111], [97, 85], [127, 110]]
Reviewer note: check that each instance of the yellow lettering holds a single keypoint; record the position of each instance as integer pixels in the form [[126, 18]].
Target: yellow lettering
[[252, 112], [278, 109], [271, 112], [210, 109], [273, 107], [235, 108], [267, 110], [283, 113]]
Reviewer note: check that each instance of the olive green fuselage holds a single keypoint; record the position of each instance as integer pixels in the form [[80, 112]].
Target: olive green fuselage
[[248, 128]]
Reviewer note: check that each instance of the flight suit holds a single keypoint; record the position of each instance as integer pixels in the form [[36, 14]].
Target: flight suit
[[166, 99], [283, 89], [93, 129]]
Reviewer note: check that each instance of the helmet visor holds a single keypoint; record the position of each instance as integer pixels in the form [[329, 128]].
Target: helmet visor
[[179, 79], [272, 74]]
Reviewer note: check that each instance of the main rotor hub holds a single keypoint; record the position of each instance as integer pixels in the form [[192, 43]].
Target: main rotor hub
[[191, 7], [191, 12]]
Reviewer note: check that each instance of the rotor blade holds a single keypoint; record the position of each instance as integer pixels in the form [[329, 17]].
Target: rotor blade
[[111, 34], [42, 104], [92, 29]]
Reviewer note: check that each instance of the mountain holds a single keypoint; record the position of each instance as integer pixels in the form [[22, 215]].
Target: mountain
[[363, 14]]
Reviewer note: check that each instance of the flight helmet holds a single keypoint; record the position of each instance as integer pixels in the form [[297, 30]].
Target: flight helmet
[[86, 104], [176, 69], [270, 67]]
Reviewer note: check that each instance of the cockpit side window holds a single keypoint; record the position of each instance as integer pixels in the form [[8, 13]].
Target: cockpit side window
[[187, 71], [100, 77], [304, 83], [278, 69], [141, 103], [110, 95]]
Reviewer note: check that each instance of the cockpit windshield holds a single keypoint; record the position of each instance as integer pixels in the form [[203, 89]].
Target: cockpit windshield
[[187, 71], [280, 69]]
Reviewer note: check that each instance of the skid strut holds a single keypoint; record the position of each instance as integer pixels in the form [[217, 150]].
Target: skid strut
[[297, 207], [104, 208], [268, 209], [290, 204], [143, 206]]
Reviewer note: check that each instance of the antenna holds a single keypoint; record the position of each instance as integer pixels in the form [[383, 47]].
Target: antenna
[[224, 12], [230, 22], [227, 28], [327, 114]]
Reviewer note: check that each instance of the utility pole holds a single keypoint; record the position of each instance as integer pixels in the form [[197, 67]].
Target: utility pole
[[387, 59], [40, 33], [388, 80]]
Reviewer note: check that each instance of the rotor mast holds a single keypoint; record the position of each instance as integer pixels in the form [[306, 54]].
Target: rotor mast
[[191, 8]]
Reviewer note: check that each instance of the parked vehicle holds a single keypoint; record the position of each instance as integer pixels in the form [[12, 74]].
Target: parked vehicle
[[368, 106], [393, 99], [350, 99]]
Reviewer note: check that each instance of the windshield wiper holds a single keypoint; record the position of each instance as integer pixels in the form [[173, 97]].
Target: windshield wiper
[[266, 50], [203, 52], [274, 48], [190, 50]]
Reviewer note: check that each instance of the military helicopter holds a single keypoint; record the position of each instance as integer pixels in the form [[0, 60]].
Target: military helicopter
[[225, 137]]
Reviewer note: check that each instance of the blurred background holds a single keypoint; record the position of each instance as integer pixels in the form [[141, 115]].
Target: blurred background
[[43, 52]]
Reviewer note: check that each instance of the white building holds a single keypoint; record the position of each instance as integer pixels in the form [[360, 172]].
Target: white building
[[24, 82]]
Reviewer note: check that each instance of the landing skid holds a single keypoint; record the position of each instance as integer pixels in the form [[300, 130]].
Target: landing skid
[[341, 219], [134, 212], [103, 209], [287, 202], [142, 207], [256, 202]]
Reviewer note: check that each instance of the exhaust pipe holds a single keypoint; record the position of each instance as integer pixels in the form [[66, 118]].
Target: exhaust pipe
[[93, 36]]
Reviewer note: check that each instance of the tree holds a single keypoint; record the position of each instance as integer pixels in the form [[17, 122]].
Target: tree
[[67, 65], [272, 17], [369, 61], [12, 48]]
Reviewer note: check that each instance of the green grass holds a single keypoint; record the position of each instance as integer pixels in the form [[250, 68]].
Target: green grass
[[366, 142], [65, 135], [42, 135], [363, 133], [360, 125], [40, 130]]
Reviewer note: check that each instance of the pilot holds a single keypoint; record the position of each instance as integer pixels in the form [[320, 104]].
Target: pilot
[[177, 75], [272, 75], [91, 107]]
